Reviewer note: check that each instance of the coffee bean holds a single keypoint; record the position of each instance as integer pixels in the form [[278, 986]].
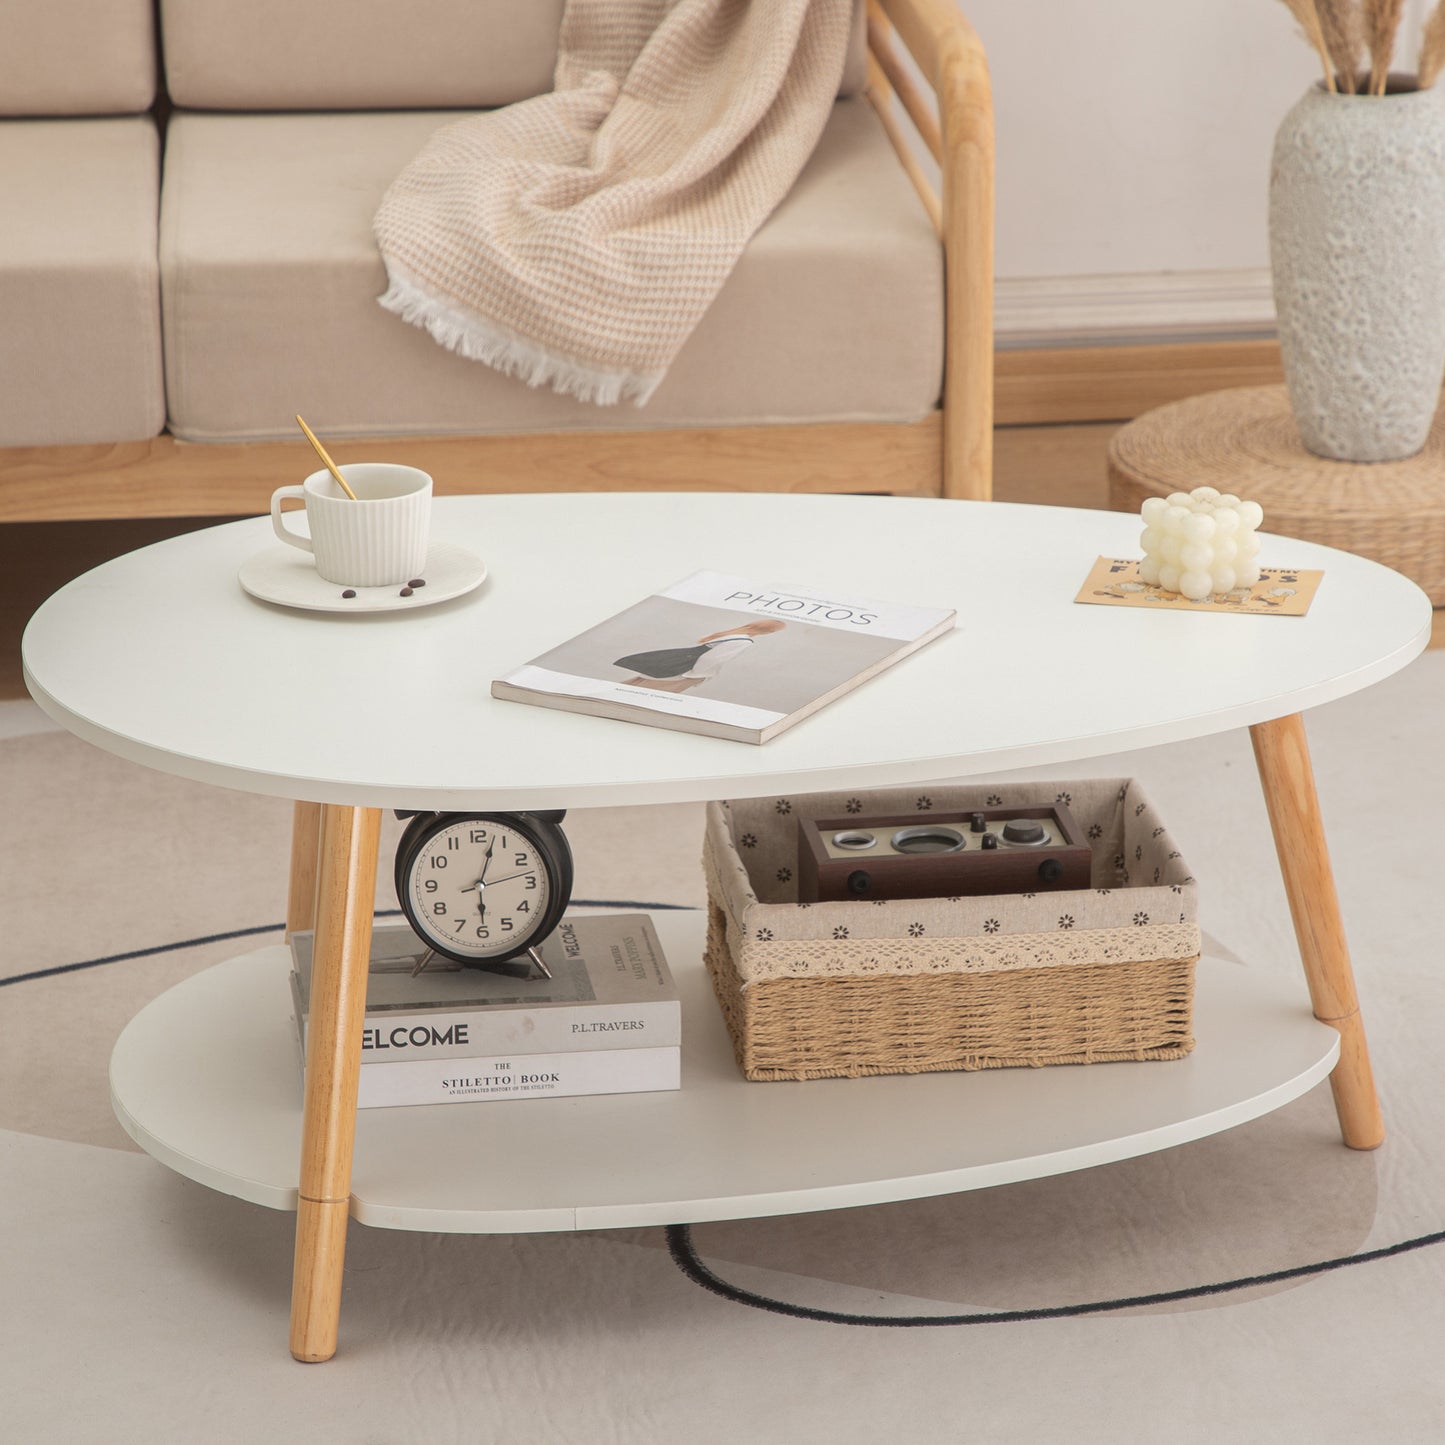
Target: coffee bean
[[350, 592], [406, 591], [417, 582]]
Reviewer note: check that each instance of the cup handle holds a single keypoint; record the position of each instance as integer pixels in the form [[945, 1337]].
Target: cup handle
[[283, 532]]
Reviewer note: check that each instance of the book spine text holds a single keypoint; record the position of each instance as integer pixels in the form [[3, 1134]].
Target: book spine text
[[526, 1076]]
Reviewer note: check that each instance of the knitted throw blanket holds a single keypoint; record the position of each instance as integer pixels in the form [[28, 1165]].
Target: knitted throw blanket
[[575, 239]]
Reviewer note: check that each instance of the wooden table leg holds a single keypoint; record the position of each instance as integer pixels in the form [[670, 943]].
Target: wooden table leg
[[344, 902], [305, 859], [1282, 755]]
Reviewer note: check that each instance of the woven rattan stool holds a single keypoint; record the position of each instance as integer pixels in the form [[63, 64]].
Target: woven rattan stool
[[1245, 441]]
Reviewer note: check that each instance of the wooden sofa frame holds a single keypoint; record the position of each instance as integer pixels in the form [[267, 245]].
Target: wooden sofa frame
[[948, 453]]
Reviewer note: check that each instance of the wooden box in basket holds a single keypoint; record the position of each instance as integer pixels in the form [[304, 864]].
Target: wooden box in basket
[[818, 990]]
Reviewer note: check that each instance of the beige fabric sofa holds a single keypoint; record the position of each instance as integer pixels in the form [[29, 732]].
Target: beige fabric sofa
[[186, 261]]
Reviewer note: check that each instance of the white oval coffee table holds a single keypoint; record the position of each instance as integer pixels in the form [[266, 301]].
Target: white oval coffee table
[[160, 657]]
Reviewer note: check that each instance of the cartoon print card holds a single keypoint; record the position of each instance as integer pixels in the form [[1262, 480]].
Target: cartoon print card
[[1280, 591]]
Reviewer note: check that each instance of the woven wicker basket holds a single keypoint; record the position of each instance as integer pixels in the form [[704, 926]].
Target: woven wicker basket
[[910, 986]]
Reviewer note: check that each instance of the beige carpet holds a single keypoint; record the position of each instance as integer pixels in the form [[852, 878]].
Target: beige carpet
[[137, 1306]]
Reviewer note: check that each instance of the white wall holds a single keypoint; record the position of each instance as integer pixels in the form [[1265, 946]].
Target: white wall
[[1133, 149]]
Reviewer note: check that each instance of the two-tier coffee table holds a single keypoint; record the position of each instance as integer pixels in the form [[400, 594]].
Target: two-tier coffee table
[[160, 657]]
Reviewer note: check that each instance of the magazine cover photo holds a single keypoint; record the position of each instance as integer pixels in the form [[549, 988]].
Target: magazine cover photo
[[723, 655], [728, 656]]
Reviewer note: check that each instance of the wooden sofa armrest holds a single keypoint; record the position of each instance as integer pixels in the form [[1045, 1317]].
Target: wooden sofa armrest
[[948, 52]]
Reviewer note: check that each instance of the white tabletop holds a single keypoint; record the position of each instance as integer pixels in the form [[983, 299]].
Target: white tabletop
[[160, 657]]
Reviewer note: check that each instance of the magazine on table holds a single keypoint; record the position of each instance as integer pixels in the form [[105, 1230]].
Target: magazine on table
[[721, 655]]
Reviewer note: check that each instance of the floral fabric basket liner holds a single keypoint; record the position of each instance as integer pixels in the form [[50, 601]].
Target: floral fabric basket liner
[[992, 981]]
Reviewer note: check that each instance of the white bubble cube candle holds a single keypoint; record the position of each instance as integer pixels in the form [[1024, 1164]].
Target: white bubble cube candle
[[1200, 542]]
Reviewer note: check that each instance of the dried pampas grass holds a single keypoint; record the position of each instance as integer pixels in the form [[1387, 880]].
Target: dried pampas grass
[[1342, 23], [1432, 47], [1309, 21], [1382, 20], [1342, 32]]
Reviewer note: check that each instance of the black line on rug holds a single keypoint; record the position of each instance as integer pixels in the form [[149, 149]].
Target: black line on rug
[[679, 1236], [140, 953], [277, 928], [685, 1256]]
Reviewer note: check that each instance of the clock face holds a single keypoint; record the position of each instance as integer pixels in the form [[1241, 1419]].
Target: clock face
[[478, 888]]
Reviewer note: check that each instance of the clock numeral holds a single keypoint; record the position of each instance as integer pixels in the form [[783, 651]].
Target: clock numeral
[[434, 902]]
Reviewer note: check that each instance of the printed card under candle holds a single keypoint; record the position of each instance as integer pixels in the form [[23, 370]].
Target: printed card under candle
[[720, 655], [1280, 591]]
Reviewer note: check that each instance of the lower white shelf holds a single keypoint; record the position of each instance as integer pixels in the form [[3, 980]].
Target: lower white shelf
[[205, 1078]]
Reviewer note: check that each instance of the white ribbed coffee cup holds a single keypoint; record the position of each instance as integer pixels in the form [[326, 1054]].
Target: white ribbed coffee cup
[[379, 540]]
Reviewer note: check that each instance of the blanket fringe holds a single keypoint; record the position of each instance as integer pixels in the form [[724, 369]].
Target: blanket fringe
[[479, 339]]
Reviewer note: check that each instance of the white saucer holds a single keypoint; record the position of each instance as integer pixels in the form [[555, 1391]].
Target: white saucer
[[287, 575]]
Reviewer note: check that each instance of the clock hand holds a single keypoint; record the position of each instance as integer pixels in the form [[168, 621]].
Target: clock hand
[[508, 878], [481, 884], [481, 888]]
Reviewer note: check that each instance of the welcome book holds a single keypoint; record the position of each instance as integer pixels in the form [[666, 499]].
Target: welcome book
[[721, 655], [607, 1020]]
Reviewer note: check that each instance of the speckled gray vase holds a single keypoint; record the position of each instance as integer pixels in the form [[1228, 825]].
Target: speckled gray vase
[[1357, 243]]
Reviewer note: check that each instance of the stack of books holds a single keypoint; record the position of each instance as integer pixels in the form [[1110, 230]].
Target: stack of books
[[608, 1020]]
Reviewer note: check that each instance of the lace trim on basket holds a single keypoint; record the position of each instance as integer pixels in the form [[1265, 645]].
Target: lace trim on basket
[[792, 958]]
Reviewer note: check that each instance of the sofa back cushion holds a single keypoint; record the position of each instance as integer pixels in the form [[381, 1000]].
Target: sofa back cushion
[[80, 306], [76, 57], [371, 54]]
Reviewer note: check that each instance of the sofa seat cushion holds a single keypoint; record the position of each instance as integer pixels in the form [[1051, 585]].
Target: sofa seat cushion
[[270, 278], [80, 339]]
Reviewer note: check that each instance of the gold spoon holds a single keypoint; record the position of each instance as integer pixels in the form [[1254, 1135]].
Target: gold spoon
[[321, 452]]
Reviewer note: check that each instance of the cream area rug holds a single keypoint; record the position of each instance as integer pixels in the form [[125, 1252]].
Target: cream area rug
[[139, 1306]]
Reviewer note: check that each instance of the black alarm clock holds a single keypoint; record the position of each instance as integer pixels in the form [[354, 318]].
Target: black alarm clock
[[483, 888]]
